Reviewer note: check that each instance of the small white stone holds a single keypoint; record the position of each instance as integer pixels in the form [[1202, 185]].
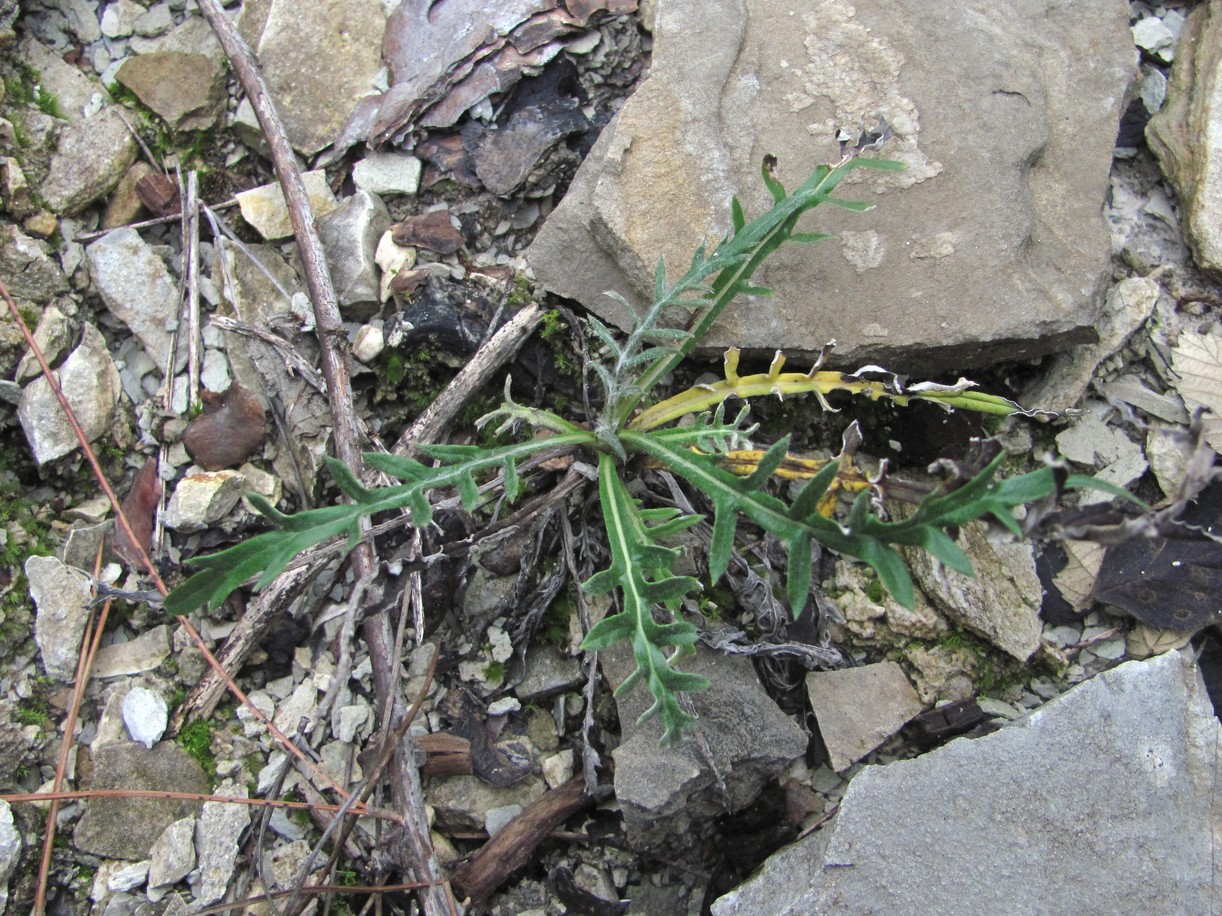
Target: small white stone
[[1110, 649], [119, 19], [387, 173], [368, 344], [558, 768], [128, 877], [392, 258], [348, 720], [145, 714], [1150, 33], [251, 726], [502, 646]]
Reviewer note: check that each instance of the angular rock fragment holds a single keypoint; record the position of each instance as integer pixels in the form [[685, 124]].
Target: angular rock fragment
[[126, 828], [506, 156], [264, 207], [10, 850], [75, 93], [91, 157], [61, 596], [172, 856], [350, 235], [387, 173], [137, 289], [664, 791], [859, 708], [1103, 800], [145, 714], [91, 384], [217, 832], [144, 653], [432, 230], [991, 244], [202, 500], [318, 59], [126, 204], [186, 90], [1000, 603], [29, 271]]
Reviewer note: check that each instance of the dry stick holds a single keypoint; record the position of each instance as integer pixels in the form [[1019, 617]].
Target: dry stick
[[415, 849], [381, 814], [367, 786], [190, 241], [84, 664], [473, 376], [512, 848], [148, 223]]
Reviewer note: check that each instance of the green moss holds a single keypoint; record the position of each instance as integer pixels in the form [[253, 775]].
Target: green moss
[[494, 672], [550, 324], [196, 739], [36, 708], [19, 85], [26, 532], [875, 590]]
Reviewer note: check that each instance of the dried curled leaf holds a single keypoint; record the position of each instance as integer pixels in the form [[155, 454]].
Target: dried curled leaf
[[1197, 360]]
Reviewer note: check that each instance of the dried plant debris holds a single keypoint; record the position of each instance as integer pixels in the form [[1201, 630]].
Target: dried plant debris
[[140, 506], [231, 429], [1169, 583], [448, 57], [1197, 360]]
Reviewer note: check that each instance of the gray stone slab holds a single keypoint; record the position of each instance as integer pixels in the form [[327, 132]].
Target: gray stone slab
[[126, 828], [860, 708], [1105, 800], [741, 740], [992, 244]]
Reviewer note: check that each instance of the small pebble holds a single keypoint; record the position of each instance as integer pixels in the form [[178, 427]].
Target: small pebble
[[145, 714]]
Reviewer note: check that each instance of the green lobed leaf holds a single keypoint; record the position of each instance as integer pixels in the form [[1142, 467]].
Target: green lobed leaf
[[640, 568], [265, 556]]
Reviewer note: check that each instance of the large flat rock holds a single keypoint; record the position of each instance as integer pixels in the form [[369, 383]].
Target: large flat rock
[[1184, 137], [991, 245], [1104, 800]]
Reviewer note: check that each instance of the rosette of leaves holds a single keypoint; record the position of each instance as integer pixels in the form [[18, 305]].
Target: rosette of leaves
[[642, 567]]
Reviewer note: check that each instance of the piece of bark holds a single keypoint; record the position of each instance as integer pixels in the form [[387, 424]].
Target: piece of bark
[[231, 429], [159, 194], [432, 230], [445, 754], [140, 507], [512, 848]]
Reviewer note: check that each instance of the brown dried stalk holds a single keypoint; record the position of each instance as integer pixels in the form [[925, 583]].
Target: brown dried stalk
[[414, 849]]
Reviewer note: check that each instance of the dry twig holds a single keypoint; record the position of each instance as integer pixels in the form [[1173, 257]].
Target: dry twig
[[414, 851]]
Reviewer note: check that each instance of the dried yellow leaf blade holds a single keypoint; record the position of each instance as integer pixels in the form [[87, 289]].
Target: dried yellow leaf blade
[[1146, 641], [1077, 580], [1197, 360]]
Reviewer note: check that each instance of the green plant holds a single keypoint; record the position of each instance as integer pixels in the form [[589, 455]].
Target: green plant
[[196, 739], [47, 103], [710, 453]]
